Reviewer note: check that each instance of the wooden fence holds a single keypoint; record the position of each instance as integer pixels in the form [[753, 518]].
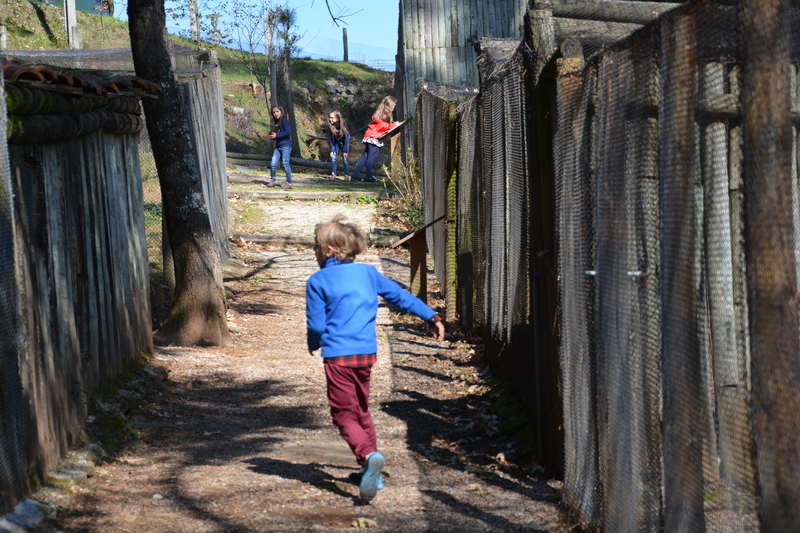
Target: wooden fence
[[75, 305], [659, 212]]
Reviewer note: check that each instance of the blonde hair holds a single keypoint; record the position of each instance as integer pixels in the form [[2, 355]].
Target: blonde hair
[[385, 109], [346, 239]]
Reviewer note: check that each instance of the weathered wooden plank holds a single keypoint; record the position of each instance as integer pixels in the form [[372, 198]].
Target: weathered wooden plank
[[491, 28], [592, 30], [435, 21], [771, 272], [683, 431], [428, 27], [461, 18], [607, 10], [732, 410], [543, 36]]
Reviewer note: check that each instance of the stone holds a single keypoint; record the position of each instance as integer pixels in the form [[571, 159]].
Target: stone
[[92, 452], [129, 395], [10, 527], [362, 523], [156, 371], [26, 514]]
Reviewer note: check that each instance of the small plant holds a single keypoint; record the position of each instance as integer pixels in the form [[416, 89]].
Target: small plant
[[344, 103], [407, 183], [366, 199]]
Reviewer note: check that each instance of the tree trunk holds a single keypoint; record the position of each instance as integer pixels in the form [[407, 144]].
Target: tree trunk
[[287, 97], [198, 314]]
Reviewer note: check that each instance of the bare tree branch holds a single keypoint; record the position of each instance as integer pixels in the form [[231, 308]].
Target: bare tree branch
[[343, 14]]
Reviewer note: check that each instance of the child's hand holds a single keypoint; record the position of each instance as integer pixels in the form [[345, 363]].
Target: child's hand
[[331, 154], [438, 331]]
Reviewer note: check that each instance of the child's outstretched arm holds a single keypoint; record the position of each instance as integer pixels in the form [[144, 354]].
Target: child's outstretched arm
[[393, 293]]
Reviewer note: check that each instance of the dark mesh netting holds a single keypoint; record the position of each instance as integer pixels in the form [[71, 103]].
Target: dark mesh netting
[[628, 243], [12, 414]]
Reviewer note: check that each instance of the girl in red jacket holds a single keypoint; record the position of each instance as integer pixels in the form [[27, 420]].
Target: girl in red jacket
[[381, 123]]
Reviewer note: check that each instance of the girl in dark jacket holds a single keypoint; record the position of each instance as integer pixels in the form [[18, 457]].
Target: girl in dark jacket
[[340, 143], [282, 135]]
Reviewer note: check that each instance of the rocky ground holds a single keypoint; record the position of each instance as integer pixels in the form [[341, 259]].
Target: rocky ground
[[239, 439]]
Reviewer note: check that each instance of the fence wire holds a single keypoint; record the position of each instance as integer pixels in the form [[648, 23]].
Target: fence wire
[[669, 159]]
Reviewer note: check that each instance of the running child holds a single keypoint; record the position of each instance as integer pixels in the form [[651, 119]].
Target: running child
[[341, 308]]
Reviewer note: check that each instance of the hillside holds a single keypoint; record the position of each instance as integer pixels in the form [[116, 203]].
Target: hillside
[[319, 86]]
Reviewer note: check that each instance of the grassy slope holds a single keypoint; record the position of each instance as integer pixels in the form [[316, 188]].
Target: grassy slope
[[41, 26]]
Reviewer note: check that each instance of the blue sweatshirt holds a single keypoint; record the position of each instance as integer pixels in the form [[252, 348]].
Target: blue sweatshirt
[[342, 303], [283, 136]]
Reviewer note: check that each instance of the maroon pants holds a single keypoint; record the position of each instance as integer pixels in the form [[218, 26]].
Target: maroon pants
[[348, 396]]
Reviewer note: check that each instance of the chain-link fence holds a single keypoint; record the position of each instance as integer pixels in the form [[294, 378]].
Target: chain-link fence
[[649, 189]]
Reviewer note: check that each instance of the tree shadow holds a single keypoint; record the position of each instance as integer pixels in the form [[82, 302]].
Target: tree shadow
[[470, 511], [212, 422], [43, 21], [435, 420]]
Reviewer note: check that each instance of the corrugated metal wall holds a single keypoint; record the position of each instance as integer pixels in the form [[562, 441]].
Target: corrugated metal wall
[[437, 42]]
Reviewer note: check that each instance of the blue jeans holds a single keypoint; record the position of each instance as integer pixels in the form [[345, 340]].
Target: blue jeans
[[368, 158], [335, 149], [281, 154]]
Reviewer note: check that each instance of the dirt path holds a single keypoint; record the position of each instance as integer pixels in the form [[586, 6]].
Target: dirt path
[[240, 439]]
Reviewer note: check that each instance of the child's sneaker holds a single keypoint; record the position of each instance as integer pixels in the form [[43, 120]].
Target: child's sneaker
[[286, 186], [369, 480], [346, 177], [333, 177], [272, 183]]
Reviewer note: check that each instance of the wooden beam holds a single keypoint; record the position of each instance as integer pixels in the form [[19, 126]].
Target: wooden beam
[[592, 30], [609, 11], [771, 272]]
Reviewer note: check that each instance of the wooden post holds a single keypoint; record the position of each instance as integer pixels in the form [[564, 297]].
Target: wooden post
[[730, 389], [581, 475], [771, 272], [542, 35], [682, 429], [71, 23], [395, 145], [344, 43], [418, 248], [273, 83], [451, 210]]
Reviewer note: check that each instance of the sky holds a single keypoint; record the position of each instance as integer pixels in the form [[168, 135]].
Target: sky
[[371, 28]]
